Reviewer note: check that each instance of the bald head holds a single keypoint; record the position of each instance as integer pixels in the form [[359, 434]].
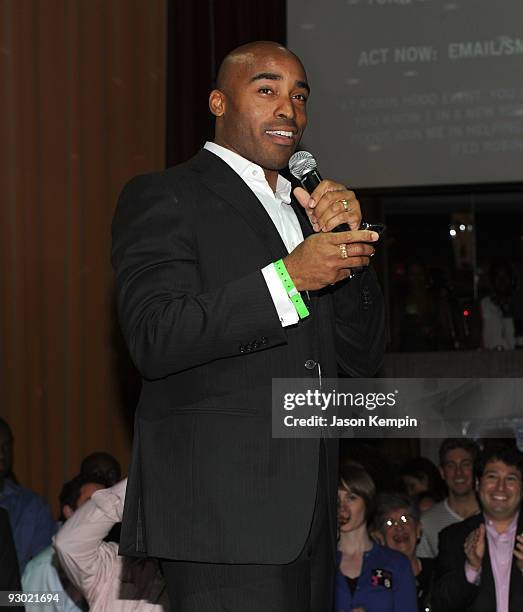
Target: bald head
[[244, 57], [260, 104]]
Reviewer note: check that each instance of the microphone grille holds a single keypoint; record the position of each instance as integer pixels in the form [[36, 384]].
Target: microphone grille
[[301, 163]]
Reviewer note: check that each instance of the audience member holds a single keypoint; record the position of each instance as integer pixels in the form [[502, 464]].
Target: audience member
[[498, 331], [102, 465], [420, 475], [108, 581], [424, 501], [31, 519], [397, 525], [369, 576], [456, 460], [9, 574], [480, 561], [374, 460], [43, 572]]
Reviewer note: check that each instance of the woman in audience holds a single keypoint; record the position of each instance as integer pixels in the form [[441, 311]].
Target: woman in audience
[[420, 475], [397, 525], [369, 576]]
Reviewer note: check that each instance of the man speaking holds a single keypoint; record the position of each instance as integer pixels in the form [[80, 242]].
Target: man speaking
[[224, 282]]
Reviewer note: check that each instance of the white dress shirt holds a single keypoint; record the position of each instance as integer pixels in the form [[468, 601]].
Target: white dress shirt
[[108, 581], [277, 205]]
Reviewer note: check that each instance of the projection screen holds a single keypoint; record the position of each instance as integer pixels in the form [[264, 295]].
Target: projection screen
[[413, 92]]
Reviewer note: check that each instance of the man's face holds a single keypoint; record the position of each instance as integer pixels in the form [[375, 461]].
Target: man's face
[[415, 486], [458, 471], [401, 531], [6, 452], [499, 490], [261, 113]]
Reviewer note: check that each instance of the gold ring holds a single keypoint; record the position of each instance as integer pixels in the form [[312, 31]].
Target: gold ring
[[346, 205], [343, 251]]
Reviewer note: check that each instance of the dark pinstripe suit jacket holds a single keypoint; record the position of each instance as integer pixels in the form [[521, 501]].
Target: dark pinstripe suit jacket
[[207, 482]]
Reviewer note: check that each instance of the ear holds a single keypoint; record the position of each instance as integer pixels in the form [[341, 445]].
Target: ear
[[442, 472], [217, 102], [67, 511]]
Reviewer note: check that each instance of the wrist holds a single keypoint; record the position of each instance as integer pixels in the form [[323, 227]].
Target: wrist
[[475, 567], [472, 573], [293, 274], [291, 289]]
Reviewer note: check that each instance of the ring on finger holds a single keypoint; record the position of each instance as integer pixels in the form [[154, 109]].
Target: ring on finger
[[343, 251], [345, 204]]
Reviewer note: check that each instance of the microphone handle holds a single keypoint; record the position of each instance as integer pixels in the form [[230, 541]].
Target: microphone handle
[[309, 182]]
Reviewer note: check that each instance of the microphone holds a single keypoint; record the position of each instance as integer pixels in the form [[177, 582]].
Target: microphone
[[303, 166]]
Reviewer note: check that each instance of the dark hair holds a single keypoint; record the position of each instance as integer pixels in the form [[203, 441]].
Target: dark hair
[[72, 490], [102, 464], [449, 444], [418, 467], [354, 476], [388, 502], [508, 454]]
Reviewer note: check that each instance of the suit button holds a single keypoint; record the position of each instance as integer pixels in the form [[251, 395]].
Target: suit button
[[310, 364]]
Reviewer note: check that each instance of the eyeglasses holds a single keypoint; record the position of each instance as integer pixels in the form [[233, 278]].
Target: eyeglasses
[[404, 519]]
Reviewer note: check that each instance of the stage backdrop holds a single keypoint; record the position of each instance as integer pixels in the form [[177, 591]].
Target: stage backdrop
[[413, 92], [81, 110]]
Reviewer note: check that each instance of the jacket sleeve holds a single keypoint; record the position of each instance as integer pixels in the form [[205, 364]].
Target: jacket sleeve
[[360, 324], [170, 323], [44, 526], [451, 592]]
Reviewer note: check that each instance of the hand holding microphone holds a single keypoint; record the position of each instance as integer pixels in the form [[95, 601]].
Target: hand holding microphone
[[326, 258], [338, 249], [330, 205]]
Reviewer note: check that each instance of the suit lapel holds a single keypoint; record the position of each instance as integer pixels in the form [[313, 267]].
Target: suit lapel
[[488, 586], [515, 596], [222, 180]]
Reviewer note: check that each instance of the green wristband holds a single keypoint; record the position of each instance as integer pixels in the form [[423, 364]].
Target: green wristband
[[292, 292]]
